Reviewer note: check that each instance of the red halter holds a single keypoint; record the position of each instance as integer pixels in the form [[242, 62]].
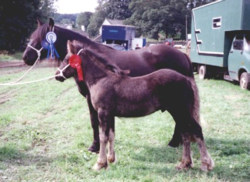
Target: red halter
[[75, 61]]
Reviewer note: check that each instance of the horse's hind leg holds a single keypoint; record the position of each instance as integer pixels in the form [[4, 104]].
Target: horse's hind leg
[[207, 163], [186, 161]]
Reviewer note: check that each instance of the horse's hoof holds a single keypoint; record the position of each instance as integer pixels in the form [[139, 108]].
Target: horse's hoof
[[184, 166], [111, 158], [173, 144], [207, 166], [98, 166], [95, 147]]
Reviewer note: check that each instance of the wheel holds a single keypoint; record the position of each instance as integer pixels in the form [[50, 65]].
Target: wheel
[[202, 71], [245, 81]]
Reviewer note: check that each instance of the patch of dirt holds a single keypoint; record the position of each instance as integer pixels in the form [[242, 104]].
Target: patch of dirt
[[6, 96], [8, 64]]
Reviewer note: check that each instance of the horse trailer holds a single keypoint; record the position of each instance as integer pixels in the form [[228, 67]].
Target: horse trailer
[[118, 34], [221, 40]]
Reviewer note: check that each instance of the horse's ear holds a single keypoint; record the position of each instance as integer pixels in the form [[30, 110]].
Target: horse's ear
[[39, 23], [70, 47], [51, 23]]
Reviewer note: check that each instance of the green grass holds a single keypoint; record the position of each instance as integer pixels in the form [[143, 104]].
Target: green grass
[[8, 57], [45, 132]]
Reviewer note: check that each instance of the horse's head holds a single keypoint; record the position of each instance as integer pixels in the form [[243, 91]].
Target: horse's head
[[34, 46]]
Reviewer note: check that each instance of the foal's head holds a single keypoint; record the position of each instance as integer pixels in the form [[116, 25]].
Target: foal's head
[[71, 63]]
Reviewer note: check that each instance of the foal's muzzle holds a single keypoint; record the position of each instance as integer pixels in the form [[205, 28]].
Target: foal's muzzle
[[59, 74]]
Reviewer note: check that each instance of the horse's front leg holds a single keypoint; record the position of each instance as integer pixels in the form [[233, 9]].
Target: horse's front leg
[[95, 126], [104, 128]]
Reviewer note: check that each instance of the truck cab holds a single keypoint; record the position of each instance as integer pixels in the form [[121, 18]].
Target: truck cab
[[239, 60]]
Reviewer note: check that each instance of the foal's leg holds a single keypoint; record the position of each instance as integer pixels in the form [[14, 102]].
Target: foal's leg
[[186, 161], [207, 162], [104, 129], [111, 151], [94, 123]]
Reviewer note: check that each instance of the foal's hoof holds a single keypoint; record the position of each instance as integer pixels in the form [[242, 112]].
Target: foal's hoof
[[111, 158], [98, 166], [207, 165], [95, 147], [184, 165]]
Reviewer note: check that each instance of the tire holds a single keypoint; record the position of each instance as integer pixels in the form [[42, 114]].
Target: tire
[[202, 71], [245, 81]]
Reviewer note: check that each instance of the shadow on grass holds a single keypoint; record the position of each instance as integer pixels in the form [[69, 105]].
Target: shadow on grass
[[231, 158], [12, 156]]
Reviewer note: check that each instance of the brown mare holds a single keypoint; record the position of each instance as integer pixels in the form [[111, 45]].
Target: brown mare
[[138, 62], [113, 94]]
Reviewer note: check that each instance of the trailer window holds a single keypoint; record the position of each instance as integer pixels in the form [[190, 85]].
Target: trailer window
[[217, 22]]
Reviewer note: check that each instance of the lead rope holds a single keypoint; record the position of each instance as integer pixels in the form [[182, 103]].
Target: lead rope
[[17, 82]]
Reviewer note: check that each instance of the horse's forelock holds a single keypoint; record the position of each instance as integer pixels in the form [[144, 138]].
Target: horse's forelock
[[40, 33]]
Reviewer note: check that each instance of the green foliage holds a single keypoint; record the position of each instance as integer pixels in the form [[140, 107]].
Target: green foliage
[[112, 9], [117, 9], [96, 21], [83, 19], [62, 18], [168, 16], [18, 20]]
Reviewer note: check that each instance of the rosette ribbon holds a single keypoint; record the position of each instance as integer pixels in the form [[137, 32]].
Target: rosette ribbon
[[75, 61], [51, 50]]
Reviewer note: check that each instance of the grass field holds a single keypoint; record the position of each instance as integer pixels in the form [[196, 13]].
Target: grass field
[[45, 132]]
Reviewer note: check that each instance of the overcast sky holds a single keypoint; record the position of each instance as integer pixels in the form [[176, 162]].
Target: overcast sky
[[75, 6]]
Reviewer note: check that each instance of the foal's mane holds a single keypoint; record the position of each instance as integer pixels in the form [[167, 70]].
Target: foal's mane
[[103, 63]]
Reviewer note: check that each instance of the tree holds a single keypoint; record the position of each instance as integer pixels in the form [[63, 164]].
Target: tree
[[18, 20], [168, 16], [95, 23], [83, 19], [117, 9], [113, 9]]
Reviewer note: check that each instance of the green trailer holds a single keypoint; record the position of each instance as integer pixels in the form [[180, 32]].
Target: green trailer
[[220, 41]]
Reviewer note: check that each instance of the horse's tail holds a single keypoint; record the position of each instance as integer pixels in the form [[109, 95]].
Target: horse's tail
[[194, 113], [190, 70], [196, 101]]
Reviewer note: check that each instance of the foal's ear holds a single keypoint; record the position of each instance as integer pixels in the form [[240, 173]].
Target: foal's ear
[[51, 23], [70, 47]]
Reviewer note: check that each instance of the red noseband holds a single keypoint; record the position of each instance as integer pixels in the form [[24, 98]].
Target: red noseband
[[75, 61]]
